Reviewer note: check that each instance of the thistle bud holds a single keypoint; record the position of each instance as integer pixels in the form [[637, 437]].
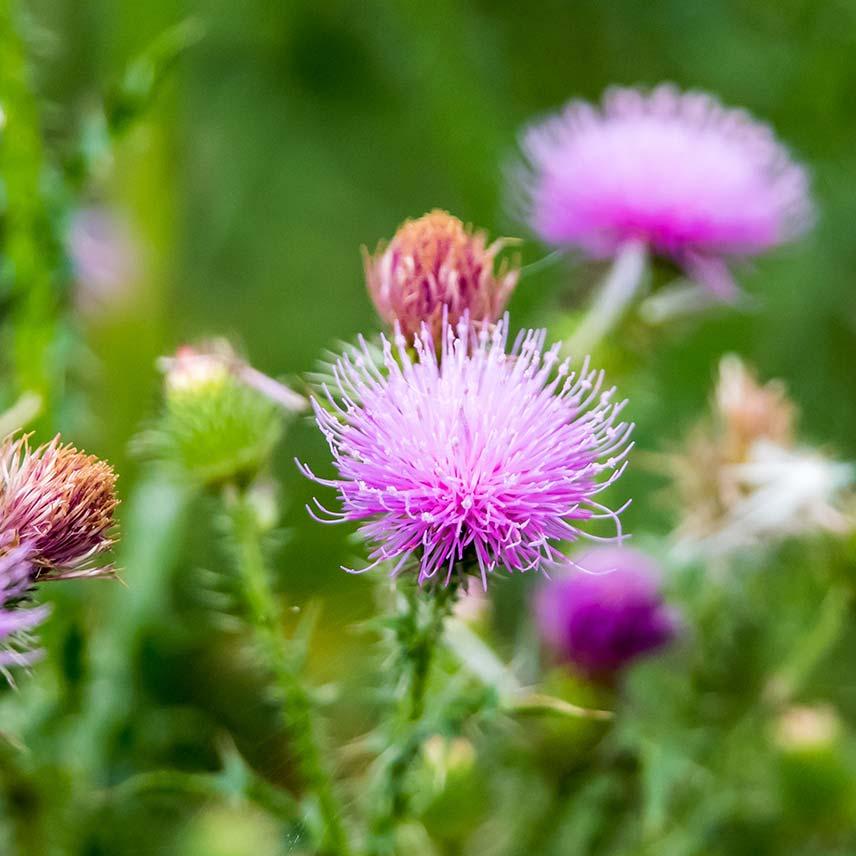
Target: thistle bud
[[434, 266], [58, 501], [222, 418]]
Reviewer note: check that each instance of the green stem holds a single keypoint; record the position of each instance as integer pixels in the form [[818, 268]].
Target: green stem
[[297, 707], [813, 647], [420, 632], [29, 246]]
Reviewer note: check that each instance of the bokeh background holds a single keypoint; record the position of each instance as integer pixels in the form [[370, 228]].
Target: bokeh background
[[285, 137]]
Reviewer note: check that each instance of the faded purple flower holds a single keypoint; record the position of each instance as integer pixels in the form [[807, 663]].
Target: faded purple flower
[[16, 621], [436, 268], [60, 502], [475, 458], [105, 258], [696, 182], [606, 613]]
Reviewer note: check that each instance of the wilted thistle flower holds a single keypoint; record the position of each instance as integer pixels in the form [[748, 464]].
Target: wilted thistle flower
[[606, 613], [59, 502], [698, 183], [473, 456], [743, 481], [436, 267], [16, 619], [222, 417]]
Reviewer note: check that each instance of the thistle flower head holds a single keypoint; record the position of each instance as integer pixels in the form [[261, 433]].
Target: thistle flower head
[[16, 621], [607, 614], [222, 417], [743, 480], [436, 267], [697, 182], [473, 457], [60, 502]]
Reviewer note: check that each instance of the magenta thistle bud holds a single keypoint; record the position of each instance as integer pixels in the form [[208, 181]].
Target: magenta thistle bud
[[16, 621], [696, 182], [436, 267], [60, 502], [473, 458], [606, 613]]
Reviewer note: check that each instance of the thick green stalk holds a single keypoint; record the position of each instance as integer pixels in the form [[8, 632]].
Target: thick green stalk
[[297, 708], [420, 632]]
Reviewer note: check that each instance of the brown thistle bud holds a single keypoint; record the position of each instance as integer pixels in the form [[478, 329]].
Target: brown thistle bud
[[434, 265], [58, 501]]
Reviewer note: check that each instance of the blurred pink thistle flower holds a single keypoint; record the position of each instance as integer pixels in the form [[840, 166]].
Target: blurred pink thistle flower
[[696, 182], [474, 456]]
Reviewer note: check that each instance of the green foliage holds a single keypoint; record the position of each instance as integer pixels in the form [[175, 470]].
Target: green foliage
[[254, 147]]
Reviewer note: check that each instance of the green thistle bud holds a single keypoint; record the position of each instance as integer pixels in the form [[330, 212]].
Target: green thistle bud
[[221, 417]]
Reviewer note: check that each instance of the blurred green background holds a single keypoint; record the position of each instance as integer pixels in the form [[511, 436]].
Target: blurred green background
[[288, 136]]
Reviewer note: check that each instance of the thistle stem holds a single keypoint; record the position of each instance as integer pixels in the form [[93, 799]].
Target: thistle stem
[[420, 632], [297, 707], [613, 297]]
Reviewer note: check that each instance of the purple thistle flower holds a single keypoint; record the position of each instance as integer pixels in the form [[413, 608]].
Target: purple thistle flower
[[696, 182], [607, 613], [16, 576], [475, 456]]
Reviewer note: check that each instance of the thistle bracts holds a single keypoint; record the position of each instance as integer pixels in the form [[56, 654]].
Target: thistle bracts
[[221, 417]]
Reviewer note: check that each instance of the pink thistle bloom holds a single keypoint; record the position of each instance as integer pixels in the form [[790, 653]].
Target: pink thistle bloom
[[476, 458], [16, 576], [694, 181]]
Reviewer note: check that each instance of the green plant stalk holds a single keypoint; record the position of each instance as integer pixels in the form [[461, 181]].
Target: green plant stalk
[[297, 707], [420, 632], [153, 525], [30, 248], [814, 645]]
